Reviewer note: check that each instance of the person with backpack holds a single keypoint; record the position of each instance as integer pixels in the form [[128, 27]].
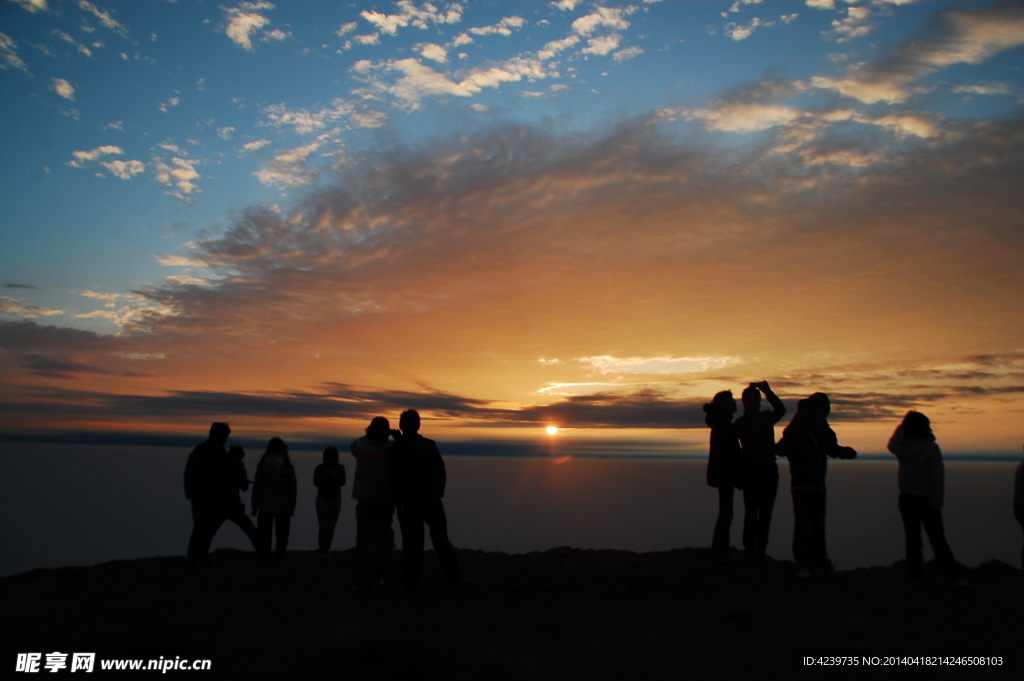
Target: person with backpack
[[809, 442], [273, 497]]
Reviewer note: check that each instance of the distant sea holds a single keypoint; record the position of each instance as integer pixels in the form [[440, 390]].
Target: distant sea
[[74, 504]]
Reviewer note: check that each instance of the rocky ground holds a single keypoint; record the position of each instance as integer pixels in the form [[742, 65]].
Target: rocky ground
[[558, 614]]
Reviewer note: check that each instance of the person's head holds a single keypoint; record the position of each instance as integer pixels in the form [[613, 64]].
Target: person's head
[[219, 432], [409, 422], [330, 455], [916, 424], [236, 453], [723, 402], [277, 446], [820, 405], [379, 429], [751, 398]]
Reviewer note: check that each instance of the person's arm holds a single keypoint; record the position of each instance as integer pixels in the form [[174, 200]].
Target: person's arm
[[896, 440], [937, 473], [293, 490], [829, 443], [257, 490], [243, 478], [318, 475], [190, 474], [778, 409], [1018, 494], [439, 472], [341, 472]]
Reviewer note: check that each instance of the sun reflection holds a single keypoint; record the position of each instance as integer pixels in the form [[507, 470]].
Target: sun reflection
[[552, 430]]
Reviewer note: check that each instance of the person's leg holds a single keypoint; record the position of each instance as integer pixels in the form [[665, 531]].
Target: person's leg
[[264, 532], [766, 504], [332, 523], [816, 535], [751, 502], [720, 540], [383, 541], [931, 518], [800, 525], [447, 555], [910, 512], [322, 519], [236, 514], [411, 522], [282, 524], [363, 542]]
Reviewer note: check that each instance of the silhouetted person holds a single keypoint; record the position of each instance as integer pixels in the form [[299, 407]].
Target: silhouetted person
[[240, 483], [922, 486], [417, 478], [329, 478], [756, 431], [725, 467], [208, 487], [1018, 501], [374, 510], [273, 496], [808, 442]]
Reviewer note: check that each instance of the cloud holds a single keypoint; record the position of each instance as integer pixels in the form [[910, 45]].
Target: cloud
[[603, 17], [19, 308], [855, 25], [461, 39], [955, 36], [602, 45], [503, 27], [275, 35], [255, 145], [434, 53], [607, 364], [984, 89], [304, 122], [180, 173], [418, 80], [244, 21], [288, 168], [83, 157], [566, 5], [104, 17], [741, 32], [9, 52], [822, 4], [555, 46], [33, 5], [345, 29], [627, 54], [63, 88], [68, 39], [225, 132], [125, 170], [410, 15]]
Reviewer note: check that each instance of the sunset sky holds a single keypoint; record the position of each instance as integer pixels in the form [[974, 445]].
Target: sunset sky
[[296, 216]]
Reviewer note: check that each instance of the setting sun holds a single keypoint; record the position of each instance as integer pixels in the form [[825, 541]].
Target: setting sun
[[552, 430]]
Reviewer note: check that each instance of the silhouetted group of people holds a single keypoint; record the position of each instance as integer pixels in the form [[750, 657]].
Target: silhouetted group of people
[[396, 470], [743, 455]]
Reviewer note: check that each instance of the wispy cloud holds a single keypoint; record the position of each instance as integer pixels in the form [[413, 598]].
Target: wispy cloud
[[955, 36], [410, 15], [19, 308], [104, 17], [9, 52], [245, 20]]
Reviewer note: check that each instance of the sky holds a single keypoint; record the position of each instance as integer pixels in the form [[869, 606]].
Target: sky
[[296, 216]]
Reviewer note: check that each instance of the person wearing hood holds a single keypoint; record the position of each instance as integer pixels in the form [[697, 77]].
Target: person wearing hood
[[725, 467], [374, 510], [1018, 501], [808, 442], [274, 494], [756, 430], [922, 487]]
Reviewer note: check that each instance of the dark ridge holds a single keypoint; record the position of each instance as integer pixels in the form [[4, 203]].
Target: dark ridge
[[559, 614]]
